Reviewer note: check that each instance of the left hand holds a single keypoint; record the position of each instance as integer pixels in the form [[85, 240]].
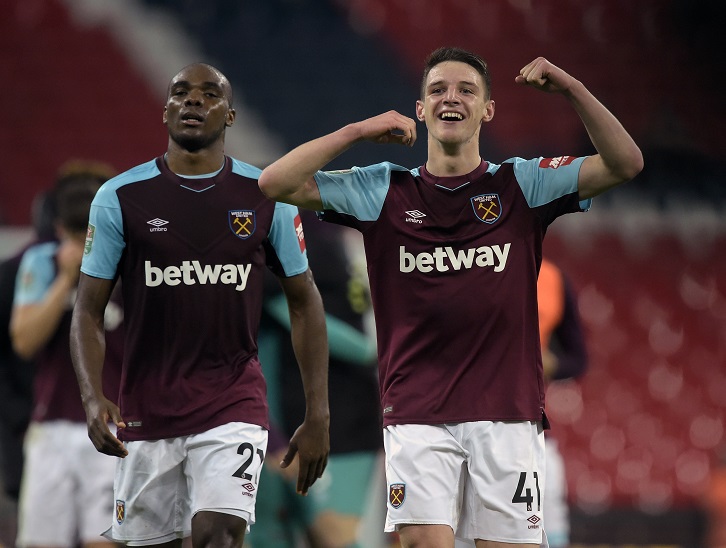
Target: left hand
[[311, 443], [543, 75]]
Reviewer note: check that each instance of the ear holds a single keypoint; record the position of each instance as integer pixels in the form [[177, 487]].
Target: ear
[[163, 117], [420, 111], [231, 115], [488, 112]]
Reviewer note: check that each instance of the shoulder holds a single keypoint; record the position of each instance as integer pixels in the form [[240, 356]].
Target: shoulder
[[244, 169], [142, 172], [39, 252]]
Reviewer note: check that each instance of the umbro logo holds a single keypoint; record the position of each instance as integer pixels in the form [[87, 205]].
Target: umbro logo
[[157, 224], [534, 520], [414, 216]]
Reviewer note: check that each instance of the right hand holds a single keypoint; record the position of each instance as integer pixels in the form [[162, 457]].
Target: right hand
[[69, 257], [389, 127], [99, 412]]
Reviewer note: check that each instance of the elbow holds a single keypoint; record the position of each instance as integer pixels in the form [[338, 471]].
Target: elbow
[[633, 166], [267, 185], [23, 348]]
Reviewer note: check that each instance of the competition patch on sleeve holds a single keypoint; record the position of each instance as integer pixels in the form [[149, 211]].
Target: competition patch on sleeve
[[242, 223], [559, 161], [90, 233], [487, 207], [299, 232]]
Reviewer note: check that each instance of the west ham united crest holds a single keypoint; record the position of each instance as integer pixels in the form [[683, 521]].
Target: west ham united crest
[[120, 511], [242, 222], [397, 494], [487, 207]]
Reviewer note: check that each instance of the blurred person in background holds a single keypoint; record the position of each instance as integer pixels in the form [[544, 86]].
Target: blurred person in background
[[453, 249], [715, 503], [66, 491], [190, 235], [564, 356], [16, 374], [332, 515]]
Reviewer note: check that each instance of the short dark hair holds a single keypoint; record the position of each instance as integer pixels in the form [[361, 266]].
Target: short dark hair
[[74, 190], [448, 53]]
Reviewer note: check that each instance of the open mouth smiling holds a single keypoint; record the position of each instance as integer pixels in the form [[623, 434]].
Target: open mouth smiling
[[450, 117]]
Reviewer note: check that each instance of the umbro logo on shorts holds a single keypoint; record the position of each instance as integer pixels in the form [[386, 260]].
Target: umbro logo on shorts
[[534, 520]]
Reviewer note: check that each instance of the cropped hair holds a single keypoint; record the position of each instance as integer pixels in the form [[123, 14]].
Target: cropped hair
[[444, 54], [77, 184]]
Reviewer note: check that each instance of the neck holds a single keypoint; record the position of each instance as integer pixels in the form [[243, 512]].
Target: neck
[[452, 161], [199, 162]]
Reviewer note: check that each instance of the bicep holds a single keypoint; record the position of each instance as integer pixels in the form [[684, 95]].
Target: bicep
[[299, 290], [595, 177], [306, 197], [93, 295]]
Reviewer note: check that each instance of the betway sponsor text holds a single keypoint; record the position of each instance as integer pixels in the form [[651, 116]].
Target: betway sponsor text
[[443, 259], [192, 272]]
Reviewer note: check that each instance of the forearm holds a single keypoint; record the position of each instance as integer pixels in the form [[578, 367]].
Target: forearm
[[33, 325], [310, 343], [620, 155], [290, 179], [88, 348]]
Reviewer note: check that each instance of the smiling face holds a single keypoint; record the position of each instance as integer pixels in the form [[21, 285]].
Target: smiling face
[[198, 107], [455, 103]]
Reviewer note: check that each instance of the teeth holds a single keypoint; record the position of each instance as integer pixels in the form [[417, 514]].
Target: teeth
[[451, 116]]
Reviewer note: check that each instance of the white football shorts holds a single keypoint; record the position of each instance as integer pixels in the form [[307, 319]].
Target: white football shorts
[[484, 479], [162, 484], [66, 495]]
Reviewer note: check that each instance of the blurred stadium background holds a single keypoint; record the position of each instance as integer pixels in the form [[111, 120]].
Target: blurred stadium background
[[643, 431]]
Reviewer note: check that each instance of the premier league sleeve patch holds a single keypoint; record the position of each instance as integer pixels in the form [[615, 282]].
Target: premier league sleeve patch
[[242, 223], [396, 494], [487, 207]]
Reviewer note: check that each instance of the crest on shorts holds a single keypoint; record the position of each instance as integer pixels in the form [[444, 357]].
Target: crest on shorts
[[120, 511], [242, 222], [397, 494], [487, 207]]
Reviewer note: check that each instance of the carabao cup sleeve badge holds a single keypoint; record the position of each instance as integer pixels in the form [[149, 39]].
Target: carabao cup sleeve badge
[[242, 222], [397, 494], [487, 207]]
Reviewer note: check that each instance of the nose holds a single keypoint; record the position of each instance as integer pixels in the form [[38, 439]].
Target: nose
[[194, 97], [451, 96]]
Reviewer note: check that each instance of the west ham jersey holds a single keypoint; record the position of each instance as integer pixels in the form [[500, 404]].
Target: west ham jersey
[[56, 395], [191, 254], [453, 265]]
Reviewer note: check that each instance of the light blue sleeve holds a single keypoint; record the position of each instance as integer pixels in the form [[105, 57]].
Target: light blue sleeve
[[35, 274], [544, 180], [288, 240], [359, 191], [105, 236]]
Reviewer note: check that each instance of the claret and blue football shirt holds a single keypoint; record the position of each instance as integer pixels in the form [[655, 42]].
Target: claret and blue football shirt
[[453, 264], [191, 253]]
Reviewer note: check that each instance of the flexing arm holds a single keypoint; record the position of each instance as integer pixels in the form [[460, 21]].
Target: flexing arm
[[88, 346], [618, 159], [290, 179], [32, 325], [311, 440]]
